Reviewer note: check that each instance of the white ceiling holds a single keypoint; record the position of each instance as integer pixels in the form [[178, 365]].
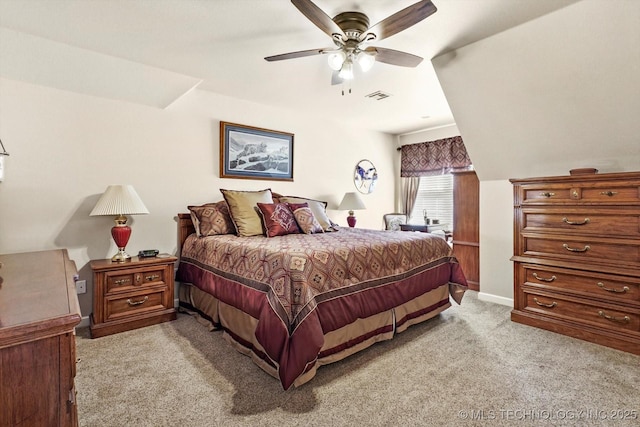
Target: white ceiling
[[154, 51]]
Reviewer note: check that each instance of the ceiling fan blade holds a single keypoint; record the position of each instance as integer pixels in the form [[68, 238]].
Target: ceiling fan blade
[[402, 20], [318, 17], [299, 54], [394, 57]]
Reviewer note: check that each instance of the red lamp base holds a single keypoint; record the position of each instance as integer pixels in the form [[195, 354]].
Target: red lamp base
[[121, 233], [351, 220]]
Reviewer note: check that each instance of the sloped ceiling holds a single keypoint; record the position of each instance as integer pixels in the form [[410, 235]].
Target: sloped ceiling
[[554, 94], [153, 52]]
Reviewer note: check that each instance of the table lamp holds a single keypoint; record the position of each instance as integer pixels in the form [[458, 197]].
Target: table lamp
[[351, 202], [120, 200]]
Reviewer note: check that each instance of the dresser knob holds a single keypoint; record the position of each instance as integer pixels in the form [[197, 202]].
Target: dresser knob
[[625, 319], [624, 290], [132, 303], [542, 279], [570, 249], [553, 304], [568, 221]]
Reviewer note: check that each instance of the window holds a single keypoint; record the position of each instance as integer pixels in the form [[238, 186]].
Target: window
[[435, 196]]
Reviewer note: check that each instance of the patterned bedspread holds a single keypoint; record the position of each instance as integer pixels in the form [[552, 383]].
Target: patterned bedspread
[[299, 268], [302, 286]]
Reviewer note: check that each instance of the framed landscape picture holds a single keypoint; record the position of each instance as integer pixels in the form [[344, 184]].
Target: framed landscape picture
[[248, 152]]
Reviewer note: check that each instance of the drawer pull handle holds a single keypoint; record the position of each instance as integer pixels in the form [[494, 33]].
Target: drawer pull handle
[[553, 304], [542, 279], [133, 303], [547, 194], [625, 319], [152, 277], [570, 249], [619, 291], [121, 281], [568, 221], [609, 193]]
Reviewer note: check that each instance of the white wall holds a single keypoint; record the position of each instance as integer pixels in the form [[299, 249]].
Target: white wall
[[433, 134], [496, 242], [556, 93], [67, 148]]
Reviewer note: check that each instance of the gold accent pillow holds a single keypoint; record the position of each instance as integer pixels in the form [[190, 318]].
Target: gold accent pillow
[[243, 207]]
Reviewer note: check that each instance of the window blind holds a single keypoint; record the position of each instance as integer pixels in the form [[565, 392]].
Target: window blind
[[435, 196]]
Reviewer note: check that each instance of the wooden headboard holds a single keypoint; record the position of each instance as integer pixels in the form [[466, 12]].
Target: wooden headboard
[[185, 228]]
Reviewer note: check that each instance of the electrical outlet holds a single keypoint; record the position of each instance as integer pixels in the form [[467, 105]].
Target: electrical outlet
[[81, 286]]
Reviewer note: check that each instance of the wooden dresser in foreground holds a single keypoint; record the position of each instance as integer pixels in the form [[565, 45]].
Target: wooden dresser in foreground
[[577, 256], [131, 294], [38, 314]]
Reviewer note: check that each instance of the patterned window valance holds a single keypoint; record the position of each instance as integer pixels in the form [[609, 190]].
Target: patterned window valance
[[434, 157]]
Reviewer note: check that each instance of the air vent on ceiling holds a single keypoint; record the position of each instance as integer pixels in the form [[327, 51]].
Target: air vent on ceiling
[[378, 95]]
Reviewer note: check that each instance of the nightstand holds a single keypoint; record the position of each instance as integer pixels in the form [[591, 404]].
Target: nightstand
[[132, 294]]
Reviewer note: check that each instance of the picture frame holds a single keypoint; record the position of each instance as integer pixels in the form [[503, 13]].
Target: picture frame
[[248, 152]]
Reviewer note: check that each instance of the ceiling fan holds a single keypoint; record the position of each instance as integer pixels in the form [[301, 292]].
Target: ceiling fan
[[351, 34]]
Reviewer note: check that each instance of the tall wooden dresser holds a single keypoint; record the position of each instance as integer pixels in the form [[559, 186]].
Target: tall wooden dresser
[[38, 314], [466, 225], [577, 256]]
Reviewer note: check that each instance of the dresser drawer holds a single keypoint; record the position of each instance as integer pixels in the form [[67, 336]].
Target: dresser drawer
[[605, 287], [608, 223], [132, 304], [126, 280], [619, 252], [606, 316]]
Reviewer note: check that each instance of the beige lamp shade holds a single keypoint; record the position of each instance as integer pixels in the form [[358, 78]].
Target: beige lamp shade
[[119, 200], [351, 202]]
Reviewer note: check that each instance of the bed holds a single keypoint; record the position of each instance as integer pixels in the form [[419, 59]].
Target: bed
[[299, 301]]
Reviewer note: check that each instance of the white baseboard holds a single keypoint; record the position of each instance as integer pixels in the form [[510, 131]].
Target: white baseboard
[[495, 299], [84, 322]]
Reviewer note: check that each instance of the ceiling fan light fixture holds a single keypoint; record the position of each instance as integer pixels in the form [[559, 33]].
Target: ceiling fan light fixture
[[346, 72], [366, 60], [336, 59]]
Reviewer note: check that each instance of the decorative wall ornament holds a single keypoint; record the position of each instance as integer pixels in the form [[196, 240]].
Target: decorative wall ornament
[[365, 176]]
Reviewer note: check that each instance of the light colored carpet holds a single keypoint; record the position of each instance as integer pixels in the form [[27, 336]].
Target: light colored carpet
[[469, 366]]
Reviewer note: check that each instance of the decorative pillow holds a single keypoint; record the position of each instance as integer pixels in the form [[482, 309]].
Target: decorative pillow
[[319, 209], [276, 197], [212, 219], [305, 218], [278, 219], [244, 210]]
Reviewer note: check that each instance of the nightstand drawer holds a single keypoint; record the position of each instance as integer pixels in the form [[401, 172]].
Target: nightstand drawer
[[133, 304], [594, 313], [125, 280], [131, 294]]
